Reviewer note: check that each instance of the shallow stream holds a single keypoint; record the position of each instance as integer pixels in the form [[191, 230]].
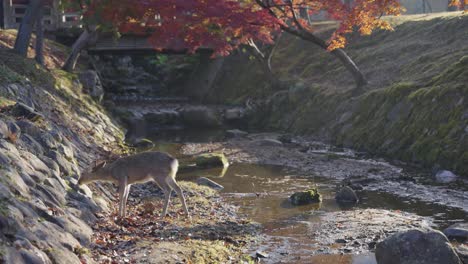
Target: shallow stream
[[261, 192]]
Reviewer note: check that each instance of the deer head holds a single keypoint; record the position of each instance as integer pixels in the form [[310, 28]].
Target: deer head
[[94, 174]]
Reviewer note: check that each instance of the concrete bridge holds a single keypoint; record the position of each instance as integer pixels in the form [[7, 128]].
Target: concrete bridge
[[133, 44]]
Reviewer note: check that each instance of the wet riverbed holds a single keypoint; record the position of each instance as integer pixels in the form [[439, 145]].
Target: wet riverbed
[[295, 234], [262, 191]]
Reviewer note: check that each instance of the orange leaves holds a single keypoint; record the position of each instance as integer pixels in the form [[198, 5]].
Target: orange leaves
[[362, 15], [337, 41], [365, 16], [461, 4]]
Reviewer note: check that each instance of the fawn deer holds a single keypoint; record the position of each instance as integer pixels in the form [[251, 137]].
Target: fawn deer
[[139, 168]]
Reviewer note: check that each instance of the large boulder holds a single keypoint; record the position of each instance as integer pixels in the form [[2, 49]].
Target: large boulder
[[457, 231], [92, 84], [210, 160], [306, 197], [201, 116], [346, 195], [445, 176], [24, 252], [416, 246]]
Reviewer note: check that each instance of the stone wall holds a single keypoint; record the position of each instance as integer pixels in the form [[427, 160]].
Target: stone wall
[[49, 133]]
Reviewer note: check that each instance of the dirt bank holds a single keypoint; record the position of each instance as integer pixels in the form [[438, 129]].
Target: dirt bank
[[214, 235]]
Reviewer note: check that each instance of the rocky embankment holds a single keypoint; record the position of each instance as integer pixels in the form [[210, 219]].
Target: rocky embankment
[[49, 132]]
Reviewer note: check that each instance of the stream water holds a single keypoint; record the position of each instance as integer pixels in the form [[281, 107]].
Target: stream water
[[261, 192]]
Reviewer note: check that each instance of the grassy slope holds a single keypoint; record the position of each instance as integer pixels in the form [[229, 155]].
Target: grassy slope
[[415, 107]]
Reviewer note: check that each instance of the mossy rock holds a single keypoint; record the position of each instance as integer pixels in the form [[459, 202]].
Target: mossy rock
[[210, 160], [306, 197], [143, 143]]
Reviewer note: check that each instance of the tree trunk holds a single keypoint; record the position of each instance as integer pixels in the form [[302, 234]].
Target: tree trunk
[[40, 37], [86, 38], [349, 64], [264, 61], [26, 27]]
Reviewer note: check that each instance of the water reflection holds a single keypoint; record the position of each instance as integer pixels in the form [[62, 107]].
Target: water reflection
[[262, 193]]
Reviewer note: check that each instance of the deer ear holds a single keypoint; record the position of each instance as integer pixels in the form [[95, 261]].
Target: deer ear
[[99, 165]]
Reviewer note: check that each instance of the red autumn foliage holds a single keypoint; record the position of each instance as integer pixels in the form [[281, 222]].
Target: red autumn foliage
[[225, 24], [187, 24]]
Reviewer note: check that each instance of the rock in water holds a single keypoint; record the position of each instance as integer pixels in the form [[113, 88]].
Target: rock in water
[[143, 143], [306, 197], [457, 231], [416, 246], [445, 176], [267, 142], [346, 195], [210, 160], [236, 133], [201, 116], [234, 114], [212, 184]]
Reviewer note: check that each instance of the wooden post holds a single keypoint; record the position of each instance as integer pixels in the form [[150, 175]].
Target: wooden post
[[8, 21]]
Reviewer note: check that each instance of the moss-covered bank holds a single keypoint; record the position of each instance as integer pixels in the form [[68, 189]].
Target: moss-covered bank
[[414, 108]]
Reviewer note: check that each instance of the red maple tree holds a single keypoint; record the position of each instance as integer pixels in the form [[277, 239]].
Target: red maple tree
[[223, 25]]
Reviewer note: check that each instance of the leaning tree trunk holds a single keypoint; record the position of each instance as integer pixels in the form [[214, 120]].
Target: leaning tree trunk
[[264, 60], [339, 53], [260, 57], [350, 66], [86, 38], [40, 37], [26, 27]]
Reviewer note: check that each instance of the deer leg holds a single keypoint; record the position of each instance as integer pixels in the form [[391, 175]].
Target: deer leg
[[125, 198], [122, 197], [168, 193], [179, 192]]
